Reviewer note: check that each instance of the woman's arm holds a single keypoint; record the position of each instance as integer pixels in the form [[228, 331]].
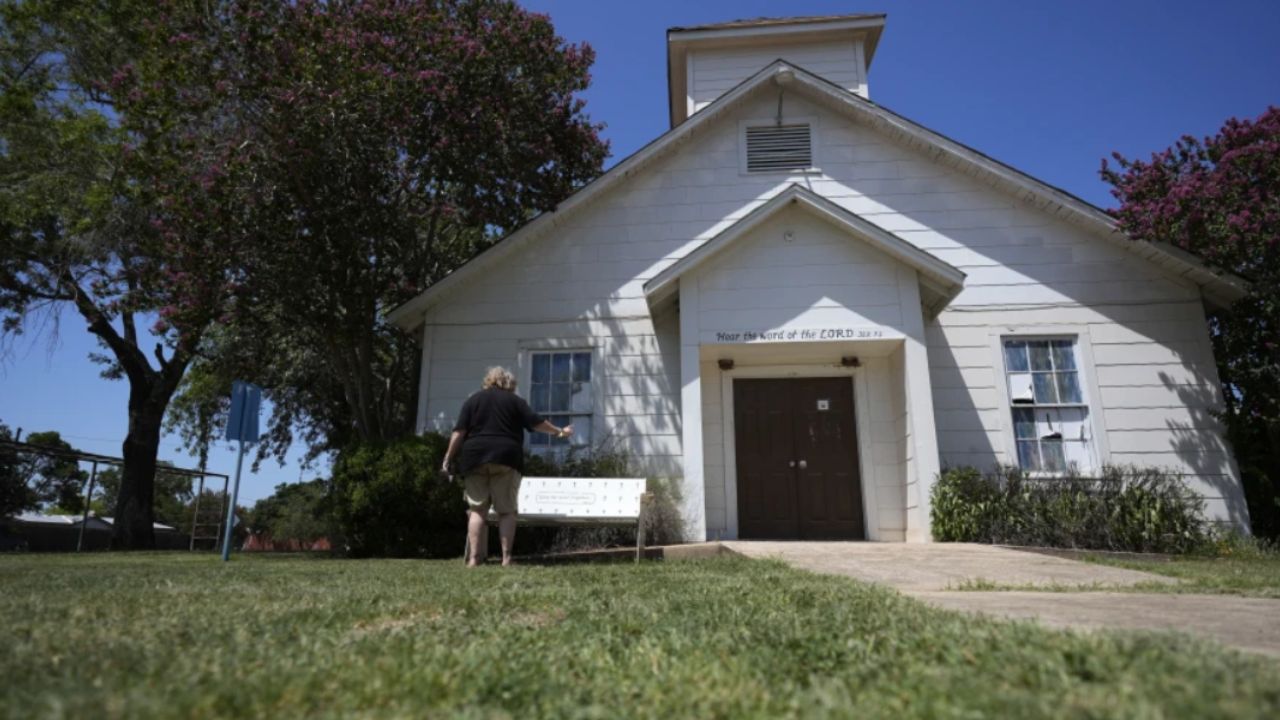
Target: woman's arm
[[550, 429], [454, 441]]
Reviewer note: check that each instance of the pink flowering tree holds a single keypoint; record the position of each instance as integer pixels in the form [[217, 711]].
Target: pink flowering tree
[[1219, 198], [84, 221], [377, 146]]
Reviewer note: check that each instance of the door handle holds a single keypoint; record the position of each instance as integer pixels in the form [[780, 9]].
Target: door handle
[[791, 463], [803, 464]]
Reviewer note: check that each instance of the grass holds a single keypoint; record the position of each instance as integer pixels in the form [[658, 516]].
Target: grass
[[1250, 575], [1247, 575], [180, 635]]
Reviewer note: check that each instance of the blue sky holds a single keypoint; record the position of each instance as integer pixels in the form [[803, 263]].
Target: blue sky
[[1049, 88]]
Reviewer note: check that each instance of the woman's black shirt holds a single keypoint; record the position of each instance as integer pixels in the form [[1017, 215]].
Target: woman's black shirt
[[494, 421]]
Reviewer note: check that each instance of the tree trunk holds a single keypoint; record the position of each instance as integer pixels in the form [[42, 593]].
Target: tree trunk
[[135, 509]]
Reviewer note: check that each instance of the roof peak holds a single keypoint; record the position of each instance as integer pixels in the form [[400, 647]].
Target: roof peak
[[774, 21]]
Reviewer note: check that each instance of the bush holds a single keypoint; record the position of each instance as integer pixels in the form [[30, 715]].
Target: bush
[[1125, 508], [390, 499]]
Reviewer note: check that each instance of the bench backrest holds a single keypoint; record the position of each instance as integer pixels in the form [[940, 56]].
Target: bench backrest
[[581, 499]]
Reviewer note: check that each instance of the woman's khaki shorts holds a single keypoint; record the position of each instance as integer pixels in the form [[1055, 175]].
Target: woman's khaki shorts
[[494, 484]]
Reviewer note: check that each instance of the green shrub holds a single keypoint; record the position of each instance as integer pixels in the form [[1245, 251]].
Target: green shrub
[[1123, 508], [390, 499]]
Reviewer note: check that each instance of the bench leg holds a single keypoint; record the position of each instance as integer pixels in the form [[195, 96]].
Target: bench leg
[[640, 527]]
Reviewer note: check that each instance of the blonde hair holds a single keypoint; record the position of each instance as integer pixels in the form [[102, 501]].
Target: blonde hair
[[499, 377]]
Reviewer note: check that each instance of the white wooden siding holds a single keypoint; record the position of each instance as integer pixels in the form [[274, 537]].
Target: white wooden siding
[[1026, 270], [714, 71]]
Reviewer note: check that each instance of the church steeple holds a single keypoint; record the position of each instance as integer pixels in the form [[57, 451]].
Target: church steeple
[[705, 61]]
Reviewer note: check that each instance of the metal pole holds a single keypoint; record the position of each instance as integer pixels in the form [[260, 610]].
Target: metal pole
[[231, 509], [88, 498]]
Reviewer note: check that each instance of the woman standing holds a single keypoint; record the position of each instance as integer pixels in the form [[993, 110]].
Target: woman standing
[[490, 433]]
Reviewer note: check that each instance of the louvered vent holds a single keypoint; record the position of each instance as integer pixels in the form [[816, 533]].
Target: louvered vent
[[779, 147]]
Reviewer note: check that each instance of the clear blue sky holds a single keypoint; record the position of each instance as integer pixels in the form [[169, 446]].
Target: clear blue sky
[[1049, 88]]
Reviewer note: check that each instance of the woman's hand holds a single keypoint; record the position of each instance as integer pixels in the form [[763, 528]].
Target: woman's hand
[[566, 431], [444, 466]]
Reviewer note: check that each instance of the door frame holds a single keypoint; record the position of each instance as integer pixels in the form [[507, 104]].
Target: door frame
[[861, 418]]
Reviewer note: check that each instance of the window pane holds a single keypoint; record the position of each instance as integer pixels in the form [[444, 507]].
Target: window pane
[[1015, 357], [1064, 358], [560, 367], [560, 396], [580, 397], [537, 439], [541, 368], [540, 397], [1072, 423], [1028, 455], [1020, 388], [1040, 355], [1076, 454], [1047, 423], [1024, 423], [1051, 456], [1068, 387], [582, 367], [1046, 390], [581, 430], [559, 421]]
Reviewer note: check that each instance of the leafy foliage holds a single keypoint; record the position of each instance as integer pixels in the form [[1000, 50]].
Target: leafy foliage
[[1124, 508], [84, 217], [1219, 198], [385, 143], [390, 500], [30, 480], [295, 513]]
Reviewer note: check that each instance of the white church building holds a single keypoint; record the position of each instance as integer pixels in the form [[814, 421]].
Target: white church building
[[801, 307]]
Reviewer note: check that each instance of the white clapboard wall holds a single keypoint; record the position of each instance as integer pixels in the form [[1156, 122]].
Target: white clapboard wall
[[584, 500]]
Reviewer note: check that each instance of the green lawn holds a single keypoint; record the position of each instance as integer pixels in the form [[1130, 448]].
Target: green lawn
[[178, 635], [1249, 575], [1252, 575]]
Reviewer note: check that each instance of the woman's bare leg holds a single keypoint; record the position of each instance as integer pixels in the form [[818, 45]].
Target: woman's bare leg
[[478, 534], [507, 533]]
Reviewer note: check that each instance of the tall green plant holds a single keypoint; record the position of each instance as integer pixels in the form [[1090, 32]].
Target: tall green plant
[[1122, 508]]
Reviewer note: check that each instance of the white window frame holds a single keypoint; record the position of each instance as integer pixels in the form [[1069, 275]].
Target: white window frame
[[524, 363], [811, 121], [1099, 450]]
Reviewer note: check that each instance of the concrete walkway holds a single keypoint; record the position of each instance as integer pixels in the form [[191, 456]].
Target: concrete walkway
[[932, 572], [938, 566]]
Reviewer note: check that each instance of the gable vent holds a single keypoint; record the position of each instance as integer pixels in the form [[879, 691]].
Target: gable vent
[[779, 147]]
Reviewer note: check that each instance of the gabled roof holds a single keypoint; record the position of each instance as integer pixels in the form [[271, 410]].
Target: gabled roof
[[1218, 287], [940, 281]]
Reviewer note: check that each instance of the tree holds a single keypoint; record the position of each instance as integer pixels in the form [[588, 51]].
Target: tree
[[1219, 198], [15, 495], [388, 142], [31, 480], [86, 213], [54, 480], [172, 499], [294, 512]]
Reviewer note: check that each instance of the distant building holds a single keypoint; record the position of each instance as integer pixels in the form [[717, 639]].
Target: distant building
[[60, 533]]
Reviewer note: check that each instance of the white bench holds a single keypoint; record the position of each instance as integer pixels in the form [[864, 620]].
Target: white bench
[[600, 502]]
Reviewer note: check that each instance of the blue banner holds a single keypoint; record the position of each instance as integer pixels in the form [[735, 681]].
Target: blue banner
[[242, 423]]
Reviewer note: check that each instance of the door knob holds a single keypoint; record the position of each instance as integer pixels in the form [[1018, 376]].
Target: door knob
[[803, 464], [791, 463]]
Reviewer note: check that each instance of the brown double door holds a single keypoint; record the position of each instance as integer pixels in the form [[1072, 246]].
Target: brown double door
[[797, 459]]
